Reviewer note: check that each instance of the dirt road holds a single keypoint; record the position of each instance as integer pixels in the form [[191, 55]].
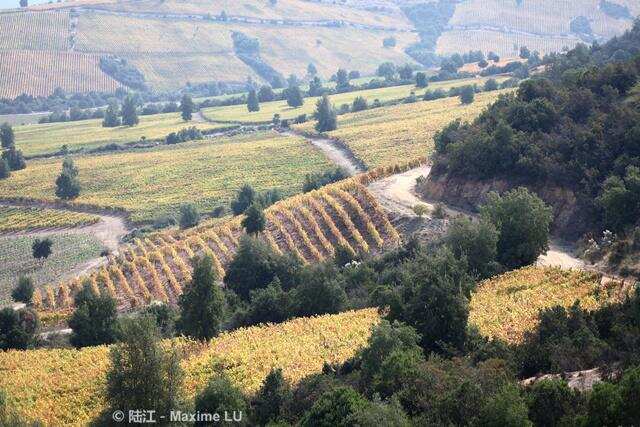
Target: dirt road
[[334, 152]]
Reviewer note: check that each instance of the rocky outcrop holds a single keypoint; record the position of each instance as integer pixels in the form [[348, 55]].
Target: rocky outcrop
[[470, 194]]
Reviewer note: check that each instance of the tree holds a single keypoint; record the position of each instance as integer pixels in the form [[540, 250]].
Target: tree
[[315, 87], [523, 222], [325, 115], [506, 408], [319, 292], [483, 63], [18, 328], [359, 104], [525, 53], [252, 101], [202, 302], [406, 72], [219, 397], [492, 56], [23, 292], [311, 69], [386, 70], [111, 119], [334, 408], [245, 197], [620, 199], [342, 80], [93, 322], [266, 94], [421, 80], [269, 401], [550, 401], [420, 210], [187, 107], [378, 413], [467, 94], [255, 221], [478, 242], [294, 96], [490, 85], [41, 249], [129, 112], [67, 183], [14, 159], [5, 171], [24, 3], [189, 216], [269, 305], [142, 373], [7, 137]]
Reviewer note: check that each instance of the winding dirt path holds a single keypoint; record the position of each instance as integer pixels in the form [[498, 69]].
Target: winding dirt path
[[334, 152]]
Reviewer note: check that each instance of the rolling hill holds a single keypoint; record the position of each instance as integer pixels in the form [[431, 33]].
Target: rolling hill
[[174, 43]]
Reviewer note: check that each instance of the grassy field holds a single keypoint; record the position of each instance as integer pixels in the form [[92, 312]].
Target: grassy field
[[148, 182], [22, 119], [30, 218], [50, 137], [39, 73], [404, 132], [68, 251], [239, 113], [66, 387], [506, 306]]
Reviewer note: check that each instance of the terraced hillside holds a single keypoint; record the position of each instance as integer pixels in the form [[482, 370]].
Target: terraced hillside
[[308, 226]]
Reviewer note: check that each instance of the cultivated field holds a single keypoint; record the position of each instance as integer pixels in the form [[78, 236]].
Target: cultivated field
[[66, 387], [50, 137], [393, 134], [68, 251], [39, 73], [507, 306], [34, 31], [239, 113], [151, 181], [31, 218], [308, 226]]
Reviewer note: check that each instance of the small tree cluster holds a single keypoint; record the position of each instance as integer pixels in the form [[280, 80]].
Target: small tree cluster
[[12, 158], [67, 183]]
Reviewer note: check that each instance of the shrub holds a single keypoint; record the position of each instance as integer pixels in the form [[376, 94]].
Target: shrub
[[420, 209], [41, 249], [23, 292], [254, 221], [18, 328], [221, 396], [189, 216], [334, 408], [93, 322]]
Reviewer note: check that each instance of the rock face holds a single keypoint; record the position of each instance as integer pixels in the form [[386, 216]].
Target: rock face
[[579, 380], [470, 194]]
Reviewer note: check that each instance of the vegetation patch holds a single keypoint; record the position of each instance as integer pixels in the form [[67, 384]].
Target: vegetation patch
[[31, 218]]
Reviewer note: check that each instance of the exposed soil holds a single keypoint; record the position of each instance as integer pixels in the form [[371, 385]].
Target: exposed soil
[[335, 152]]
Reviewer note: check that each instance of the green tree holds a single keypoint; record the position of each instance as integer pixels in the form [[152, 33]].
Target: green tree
[[221, 396], [254, 221], [142, 373], [334, 408], [41, 249], [311, 69], [5, 171], [325, 115], [342, 80], [294, 96], [269, 401], [23, 292], [378, 413], [467, 94], [359, 104], [421, 80], [506, 408], [550, 401], [523, 222], [266, 94], [252, 101], [319, 292], [386, 70], [187, 107], [315, 87], [269, 305], [405, 72], [189, 216], [67, 184], [94, 320], [202, 302], [245, 197], [490, 85], [14, 159], [478, 242], [7, 137], [620, 199], [111, 119], [129, 112], [18, 328]]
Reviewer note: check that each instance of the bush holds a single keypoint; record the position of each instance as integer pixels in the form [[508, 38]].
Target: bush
[[221, 396], [18, 328], [23, 292], [189, 216], [420, 210], [245, 197], [467, 94], [477, 242], [319, 292], [269, 401], [163, 221], [41, 249], [552, 402], [359, 104], [334, 408], [320, 179], [325, 115], [93, 322], [268, 305], [490, 85], [254, 221]]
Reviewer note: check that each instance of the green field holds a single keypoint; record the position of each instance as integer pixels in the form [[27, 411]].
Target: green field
[[151, 181], [399, 133], [239, 113], [50, 137], [68, 252]]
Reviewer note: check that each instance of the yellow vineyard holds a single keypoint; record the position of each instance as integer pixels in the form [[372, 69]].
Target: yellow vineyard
[[66, 387], [309, 226], [26, 218], [35, 30], [507, 306]]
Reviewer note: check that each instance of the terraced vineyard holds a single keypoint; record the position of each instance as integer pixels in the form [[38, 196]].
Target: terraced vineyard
[[158, 180], [31, 218], [309, 226], [48, 138], [39, 73], [239, 113], [66, 386], [402, 132], [507, 306], [35, 31]]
